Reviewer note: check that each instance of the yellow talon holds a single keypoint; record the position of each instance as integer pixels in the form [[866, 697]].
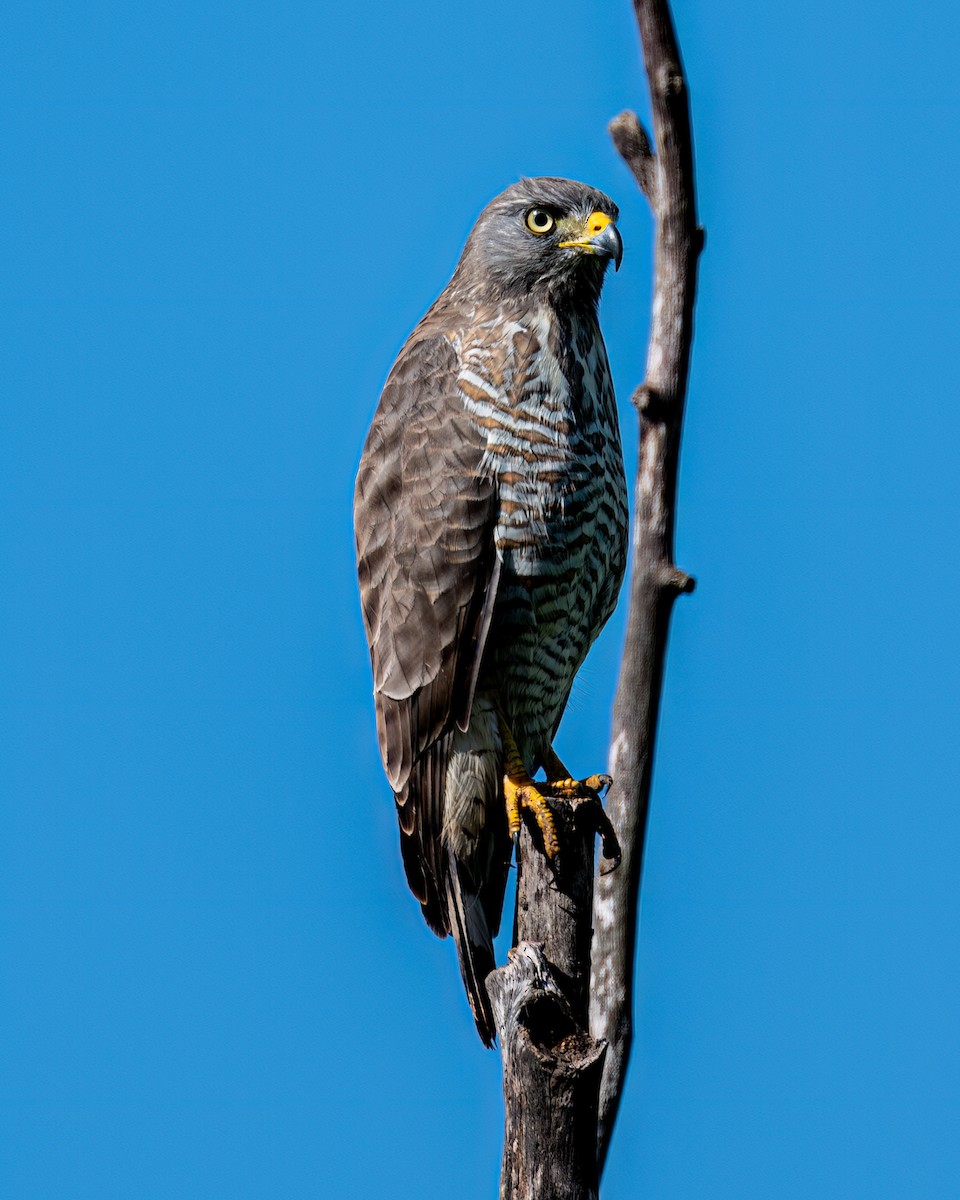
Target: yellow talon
[[511, 795], [533, 799], [577, 789], [519, 791], [563, 785]]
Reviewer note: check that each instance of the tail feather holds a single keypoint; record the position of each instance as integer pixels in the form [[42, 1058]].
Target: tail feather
[[471, 933]]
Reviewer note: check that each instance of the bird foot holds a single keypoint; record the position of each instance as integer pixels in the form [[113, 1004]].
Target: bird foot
[[590, 789], [591, 810], [578, 789], [519, 793]]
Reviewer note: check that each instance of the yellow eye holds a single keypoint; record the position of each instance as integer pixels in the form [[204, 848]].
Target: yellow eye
[[539, 221]]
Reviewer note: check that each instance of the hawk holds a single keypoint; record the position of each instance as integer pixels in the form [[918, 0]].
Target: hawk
[[491, 526]]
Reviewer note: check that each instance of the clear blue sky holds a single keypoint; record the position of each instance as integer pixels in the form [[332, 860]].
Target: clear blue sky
[[218, 223]]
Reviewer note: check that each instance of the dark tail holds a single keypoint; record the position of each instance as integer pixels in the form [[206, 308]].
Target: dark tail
[[471, 932]]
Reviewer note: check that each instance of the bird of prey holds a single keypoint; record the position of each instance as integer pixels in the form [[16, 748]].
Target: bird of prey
[[491, 527]]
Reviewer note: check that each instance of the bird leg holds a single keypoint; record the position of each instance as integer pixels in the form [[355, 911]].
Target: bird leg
[[519, 791]]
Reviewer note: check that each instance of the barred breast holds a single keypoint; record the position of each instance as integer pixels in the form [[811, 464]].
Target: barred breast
[[543, 398]]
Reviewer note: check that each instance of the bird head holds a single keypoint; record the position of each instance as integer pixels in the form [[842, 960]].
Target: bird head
[[545, 236]]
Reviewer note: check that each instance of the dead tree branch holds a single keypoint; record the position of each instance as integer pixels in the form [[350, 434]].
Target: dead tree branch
[[551, 1064], [563, 1007], [665, 175]]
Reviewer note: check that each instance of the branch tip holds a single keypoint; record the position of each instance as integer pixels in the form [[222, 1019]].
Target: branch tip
[[642, 397], [652, 403], [629, 135], [672, 579], [633, 145]]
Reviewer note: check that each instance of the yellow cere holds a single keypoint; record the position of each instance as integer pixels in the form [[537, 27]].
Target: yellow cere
[[596, 223]]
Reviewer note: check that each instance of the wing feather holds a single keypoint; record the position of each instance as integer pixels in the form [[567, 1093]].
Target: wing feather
[[424, 518]]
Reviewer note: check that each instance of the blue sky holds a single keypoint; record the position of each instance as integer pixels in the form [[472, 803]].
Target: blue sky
[[219, 222]]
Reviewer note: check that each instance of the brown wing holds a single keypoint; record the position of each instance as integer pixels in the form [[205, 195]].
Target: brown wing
[[424, 518]]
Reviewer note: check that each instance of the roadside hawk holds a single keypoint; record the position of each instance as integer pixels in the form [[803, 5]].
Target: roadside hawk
[[491, 526]]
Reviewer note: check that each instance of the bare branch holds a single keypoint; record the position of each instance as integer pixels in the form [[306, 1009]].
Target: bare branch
[[551, 1065], [667, 179], [551, 1083], [633, 143]]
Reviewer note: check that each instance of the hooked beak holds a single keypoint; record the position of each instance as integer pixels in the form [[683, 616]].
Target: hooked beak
[[609, 243], [600, 236]]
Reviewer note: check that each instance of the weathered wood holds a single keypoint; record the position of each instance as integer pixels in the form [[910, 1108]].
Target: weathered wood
[[566, 1043], [551, 1065], [666, 176]]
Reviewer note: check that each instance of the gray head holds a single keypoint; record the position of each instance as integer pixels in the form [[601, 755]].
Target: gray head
[[549, 238]]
